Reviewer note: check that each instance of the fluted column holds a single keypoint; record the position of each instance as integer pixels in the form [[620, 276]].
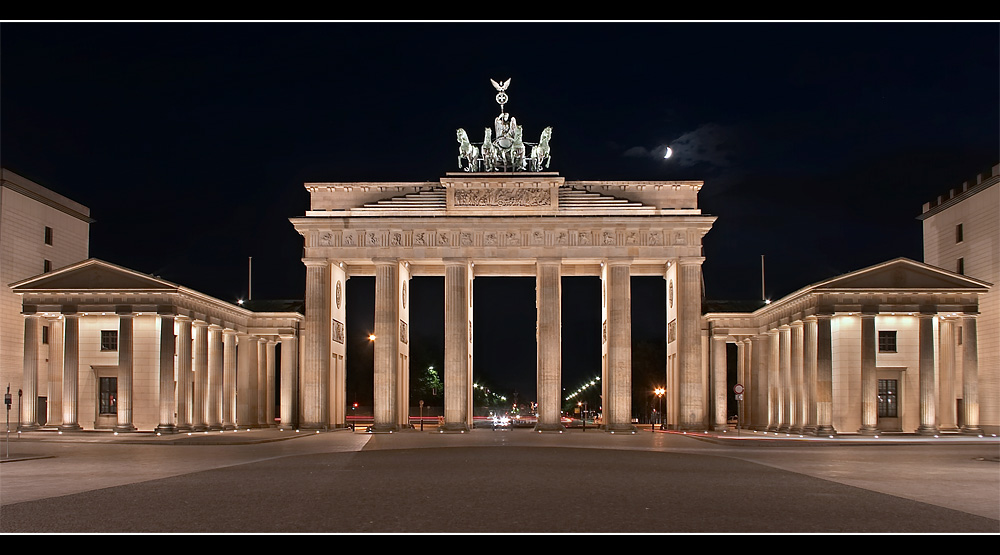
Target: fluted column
[[386, 344], [970, 374], [760, 413], [785, 376], [213, 408], [262, 392], [773, 381], [228, 379], [618, 294], [719, 389], [71, 370], [796, 388], [745, 349], [928, 378], [183, 371], [869, 380], [289, 378], [316, 361], [337, 357], [167, 396], [254, 417], [200, 391], [824, 374], [457, 344], [29, 375], [947, 412], [694, 409], [809, 375], [548, 339], [270, 352], [246, 375], [126, 326], [55, 371]]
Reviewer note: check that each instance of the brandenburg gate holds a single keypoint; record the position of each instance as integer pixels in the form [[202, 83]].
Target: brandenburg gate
[[501, 214]]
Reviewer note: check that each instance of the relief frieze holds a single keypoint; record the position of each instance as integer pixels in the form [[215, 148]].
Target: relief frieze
[[503, 197]]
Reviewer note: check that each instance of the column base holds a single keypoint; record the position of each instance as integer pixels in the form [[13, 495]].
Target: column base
[[166, 429], [199, 428], [972, 430], [628, 429], [453, 428], [123, 428], [29, 427], [825, 431], [809, 430], [720, 428], [783, 429], [868, 430], [554, 428], [928, 430], [228, 427], [70, 428]]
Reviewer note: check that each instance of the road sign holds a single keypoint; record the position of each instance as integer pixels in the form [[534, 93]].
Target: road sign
[[738, 388]]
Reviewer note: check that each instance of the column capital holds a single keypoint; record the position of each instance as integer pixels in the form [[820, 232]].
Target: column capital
[[691, 260], [617, 261], [199, 324], [124, 310], [455, 261], [214, 327], [228, 331], [549, 260], [182, 318], [316, 262], [797, 324], [386, 261]]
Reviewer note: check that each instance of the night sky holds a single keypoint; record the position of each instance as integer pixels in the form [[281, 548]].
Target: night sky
[[818, 144]]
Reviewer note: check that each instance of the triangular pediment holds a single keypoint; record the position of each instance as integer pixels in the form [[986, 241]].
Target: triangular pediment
[[92, 275], [902, 273]]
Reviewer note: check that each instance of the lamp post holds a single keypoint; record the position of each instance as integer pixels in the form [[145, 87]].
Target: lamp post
[[659, 393]]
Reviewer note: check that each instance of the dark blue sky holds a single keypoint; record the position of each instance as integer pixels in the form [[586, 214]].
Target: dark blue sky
[[818, 142]]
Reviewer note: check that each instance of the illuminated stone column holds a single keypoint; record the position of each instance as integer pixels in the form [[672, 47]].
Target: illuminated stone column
[[720, 391], [745, 350], [457, 344], [126, 325], [618, 323], [759, 414], [213, 408], [183, 371], [773, 381], [316, 339], [928, 377], [71, 370], [824, 374], [246, 375], [269, 349], [338, 349], [262, 392], [797, 388], [785, 378], [693, 410], [289, 379], [29, 375], [548, 339], [229, 337], [970, 374], [946, 362], [809, 331], [386, 345], [200, 391], [869, 382], [168, 404], [55, 371]]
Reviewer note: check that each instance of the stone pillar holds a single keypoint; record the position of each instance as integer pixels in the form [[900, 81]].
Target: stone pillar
[[71, 370], [289, 374], [773, 381], [337, 358], [183, 371], [167, 396], [29, 376], [200, 392], [316, 361], [262, 392], [970, 374], [719, 389], [928, 377], [786, 405], [126, 326], [228, 379], [246, 374], [55, 371], [759, 414], [269, 350], [402, 338], [386, 344], [797, 387], [743, 378], [809, 375], [253, 393], [824, 375], [618, 297], [693, 410], [548, 340], [213, 408], [869, 381], [457, 344], [947, 412]]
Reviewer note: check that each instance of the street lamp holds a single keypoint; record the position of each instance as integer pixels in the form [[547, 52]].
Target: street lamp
[[659, 393]]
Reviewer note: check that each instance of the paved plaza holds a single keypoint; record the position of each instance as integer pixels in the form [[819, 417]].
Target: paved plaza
[[484, 481]]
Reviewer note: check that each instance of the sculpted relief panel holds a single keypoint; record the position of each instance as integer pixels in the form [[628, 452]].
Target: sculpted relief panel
[[513, 237], [502, 197]]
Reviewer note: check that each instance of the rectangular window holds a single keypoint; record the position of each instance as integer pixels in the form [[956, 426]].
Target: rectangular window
[[46, 266], [958, 233], [109, 340], [961, 266], [887, 341], [48, 235], [45, 335], [888, 399], [108, 399]]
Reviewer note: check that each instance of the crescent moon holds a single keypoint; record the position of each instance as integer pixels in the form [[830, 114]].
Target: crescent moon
[[669, 152]]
